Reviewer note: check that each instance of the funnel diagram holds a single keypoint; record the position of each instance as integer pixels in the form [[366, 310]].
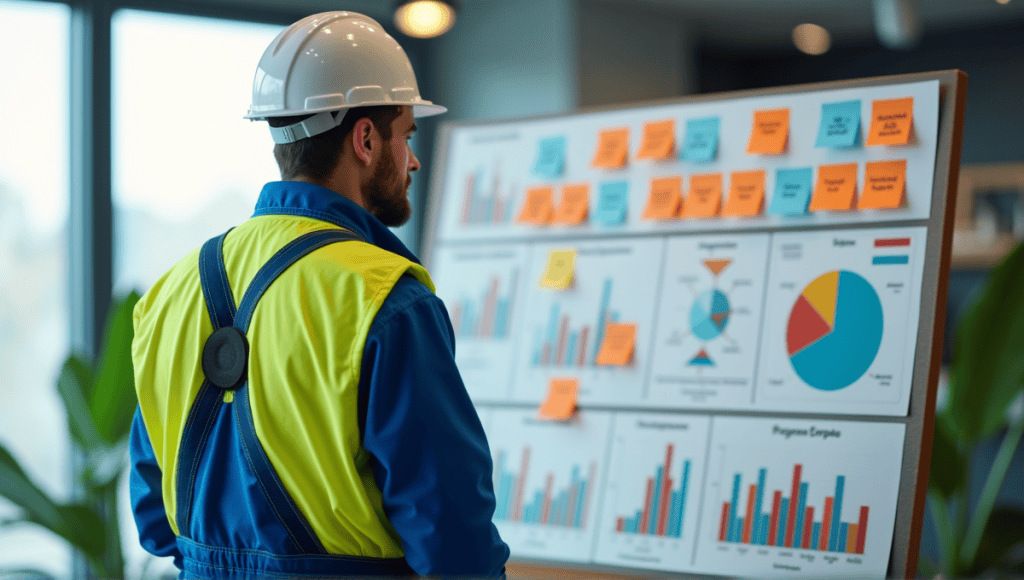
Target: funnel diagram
[[707, 340]]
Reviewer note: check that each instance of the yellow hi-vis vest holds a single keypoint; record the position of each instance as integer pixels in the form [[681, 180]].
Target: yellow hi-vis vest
[[306, 341]]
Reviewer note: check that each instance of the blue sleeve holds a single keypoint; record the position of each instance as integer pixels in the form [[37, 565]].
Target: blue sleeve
[[155, 532], [426, 444]]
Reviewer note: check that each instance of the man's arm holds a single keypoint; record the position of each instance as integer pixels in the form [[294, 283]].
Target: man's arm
[[155, 532], [427, 446]]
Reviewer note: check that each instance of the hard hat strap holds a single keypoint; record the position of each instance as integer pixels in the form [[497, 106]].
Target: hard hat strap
[[318, 123]]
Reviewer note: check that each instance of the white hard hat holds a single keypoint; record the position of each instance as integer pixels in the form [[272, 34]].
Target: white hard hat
[[329, 62]]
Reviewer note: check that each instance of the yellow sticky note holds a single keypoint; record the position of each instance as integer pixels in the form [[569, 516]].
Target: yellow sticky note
[[561, 400], [836, 187], [705, 197], [617, 346], [884, 185], [538, 207], [559, 270], [659, 140], [770, 132], [612, 148], [575, 204], [746, 193], [665, 200], [891, 122]]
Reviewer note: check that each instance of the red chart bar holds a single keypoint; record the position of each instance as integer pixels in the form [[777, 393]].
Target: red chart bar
[[826, 524], [862, 529], [570, 513], [723, 528], [808, 527], [467, 200], [748, 523], [620, 524], [581, 360], [517, 506], [892, 242], [564, 330], [487, 320], [646, 513], [545, 356], [794, 495], [547, 499], [666, 493], [773, 524]]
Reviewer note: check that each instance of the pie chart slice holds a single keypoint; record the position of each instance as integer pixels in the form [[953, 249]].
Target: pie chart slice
[[834, 330], [709, 314]]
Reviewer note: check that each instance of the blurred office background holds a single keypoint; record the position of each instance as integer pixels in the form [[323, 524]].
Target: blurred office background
[[122, 143]]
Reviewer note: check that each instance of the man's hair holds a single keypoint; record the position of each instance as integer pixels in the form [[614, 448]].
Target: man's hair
[[316, 157]]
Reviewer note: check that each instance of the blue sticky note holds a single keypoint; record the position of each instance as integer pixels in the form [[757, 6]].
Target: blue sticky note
[[840, 124], [701, 142], [551, 157], [612, 203], [792, 191]]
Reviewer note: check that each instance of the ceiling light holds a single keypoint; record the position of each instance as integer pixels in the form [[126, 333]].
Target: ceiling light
[[812, 39], [1003, 1], [425, 18]]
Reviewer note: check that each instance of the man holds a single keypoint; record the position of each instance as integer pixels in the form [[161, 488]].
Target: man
[[300, 412]]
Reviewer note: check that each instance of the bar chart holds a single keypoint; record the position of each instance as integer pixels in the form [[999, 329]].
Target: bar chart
[[483, 289], [651, 504], [488, 315], [487, 197], [563, 330], [840, 335], [548, 481], [817, 496]]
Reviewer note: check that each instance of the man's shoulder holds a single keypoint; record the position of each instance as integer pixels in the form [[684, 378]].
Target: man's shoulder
[[407, 293]]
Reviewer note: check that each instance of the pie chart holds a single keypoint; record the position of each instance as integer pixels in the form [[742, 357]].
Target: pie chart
[[709, 314], [834, 330]]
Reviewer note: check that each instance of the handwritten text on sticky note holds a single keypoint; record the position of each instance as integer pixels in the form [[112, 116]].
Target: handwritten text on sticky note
[[701, 142], [612, 148], [575, 204], [836, 188], [891, 122], [665, 199], [792, 191], [551, 157], [705, 196], [618, 344], [538, 207], [558, 273], [659, 140], [884, 185], [770, 132], [840, 124], [746, 193], [561, 400], [612, 203]]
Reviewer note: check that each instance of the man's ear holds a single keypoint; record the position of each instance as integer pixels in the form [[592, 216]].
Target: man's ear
[[363, 141]]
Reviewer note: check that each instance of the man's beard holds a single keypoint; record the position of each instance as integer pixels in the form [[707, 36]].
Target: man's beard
[[385, 196]]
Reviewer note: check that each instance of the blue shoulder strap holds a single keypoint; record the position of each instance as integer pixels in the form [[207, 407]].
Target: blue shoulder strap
[[221, 308]]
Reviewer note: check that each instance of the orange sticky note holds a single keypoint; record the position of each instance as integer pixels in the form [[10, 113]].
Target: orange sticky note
[[891, 122], [836, 187], [659, 141], [665, 200], [884, 184], [538, 207], [575, 204], [617, 346], [561, 399], [705, 198], [770, 132], [612, 148], [746, 193]]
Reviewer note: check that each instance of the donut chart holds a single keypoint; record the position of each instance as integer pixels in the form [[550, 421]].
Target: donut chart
[[834, 330], [710, 314]]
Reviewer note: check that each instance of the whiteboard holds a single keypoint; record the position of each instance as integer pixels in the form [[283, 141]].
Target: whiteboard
[[776, 409]]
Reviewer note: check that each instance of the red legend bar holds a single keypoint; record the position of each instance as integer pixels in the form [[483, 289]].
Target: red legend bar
[[892, 242]]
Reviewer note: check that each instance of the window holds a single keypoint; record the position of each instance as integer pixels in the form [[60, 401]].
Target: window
[[34, 324]]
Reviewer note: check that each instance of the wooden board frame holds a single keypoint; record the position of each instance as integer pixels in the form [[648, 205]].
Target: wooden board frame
[[919, 421]]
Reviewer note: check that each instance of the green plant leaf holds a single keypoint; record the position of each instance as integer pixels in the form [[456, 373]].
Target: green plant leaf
[[74, 382], [105, 464], [948, 473], [987, 368], [1005, 530], [113, 399], [77, 524]]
